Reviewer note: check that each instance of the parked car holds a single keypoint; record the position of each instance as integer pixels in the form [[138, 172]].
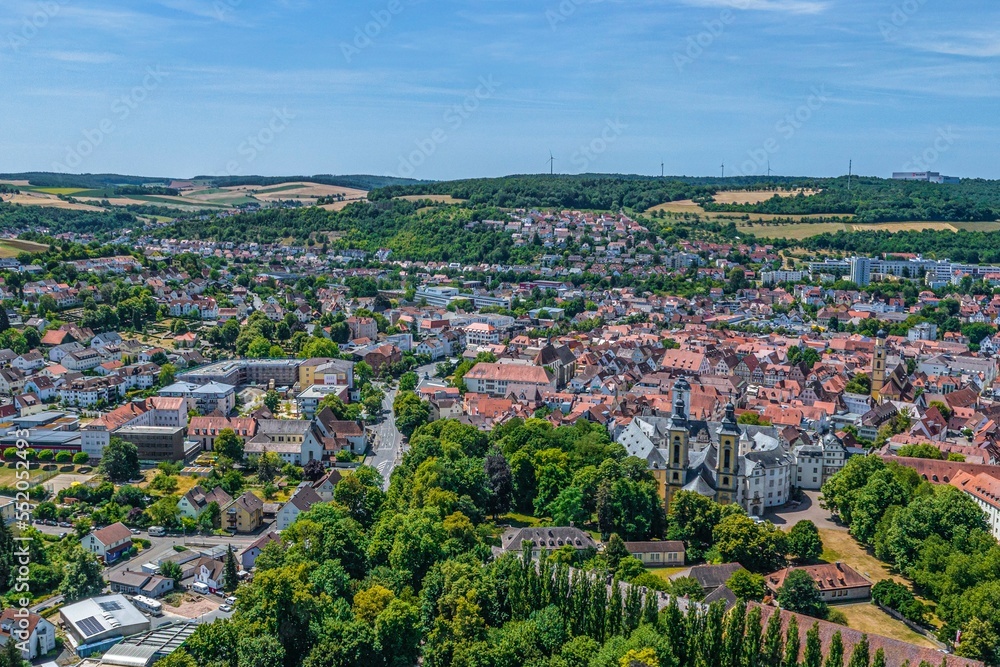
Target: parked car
[[136, 531], [225, 607], [230, 600]]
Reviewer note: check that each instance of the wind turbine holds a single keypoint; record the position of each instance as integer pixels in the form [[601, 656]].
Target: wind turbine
[[723, 169], [552, 164], [769, 169]]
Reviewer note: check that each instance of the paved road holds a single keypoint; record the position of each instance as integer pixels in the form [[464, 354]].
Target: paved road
[[386, 449], [388, 446]]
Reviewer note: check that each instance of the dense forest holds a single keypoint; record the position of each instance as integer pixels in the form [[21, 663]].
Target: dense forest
[[576, 192], [882, 200], [961, 246], [408, 576], [57, 221], [44, 179], [868, 199]]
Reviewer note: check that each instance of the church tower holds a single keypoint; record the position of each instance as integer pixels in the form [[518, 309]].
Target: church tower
[[727, 464], [878, 365], [678, 438]]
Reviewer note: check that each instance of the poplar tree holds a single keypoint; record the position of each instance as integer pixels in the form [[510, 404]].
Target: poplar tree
[[792, 644], [860, 656], [835, 653], [773, 641], [879, 660], [732, 640], [633, 609], [814, 651], [597, 610], [651, 608], [712, 637], [675, 627], [613, 621], [750, 655]]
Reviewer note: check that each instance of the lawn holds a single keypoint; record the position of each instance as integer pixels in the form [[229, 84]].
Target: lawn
[[14, 247], [839, 546], [665, 572], [520, 520], [866, 617], [8, 476]]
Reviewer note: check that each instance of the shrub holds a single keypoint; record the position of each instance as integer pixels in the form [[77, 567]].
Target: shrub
[[64, 457], [81, 458]]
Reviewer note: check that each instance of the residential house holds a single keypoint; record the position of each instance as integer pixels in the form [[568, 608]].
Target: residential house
[[108, 543], [303, 498], [245, 514]]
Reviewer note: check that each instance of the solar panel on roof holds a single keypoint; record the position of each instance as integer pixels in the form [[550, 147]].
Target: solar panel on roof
[[90, 627], [111, 605]]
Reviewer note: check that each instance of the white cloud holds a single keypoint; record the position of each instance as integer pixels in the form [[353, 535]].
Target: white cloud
[[974, 44], [779, 6], [82, 57]]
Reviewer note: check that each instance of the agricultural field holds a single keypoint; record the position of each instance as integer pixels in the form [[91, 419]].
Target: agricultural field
[[440, 199], [802, 230], [44, 199], [687, 206], [24, 246], [757, 196]]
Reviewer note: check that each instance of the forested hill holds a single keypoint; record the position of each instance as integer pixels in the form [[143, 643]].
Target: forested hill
[[868, 199], [885, 200], [43, 179], [445, 233], [588, 191], [963, 246], [359, 181]]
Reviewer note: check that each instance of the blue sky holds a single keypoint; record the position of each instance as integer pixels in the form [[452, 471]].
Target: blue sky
[[443, 89]]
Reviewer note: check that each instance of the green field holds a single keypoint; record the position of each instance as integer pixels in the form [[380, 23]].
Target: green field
[[14, 247], [56, 191]]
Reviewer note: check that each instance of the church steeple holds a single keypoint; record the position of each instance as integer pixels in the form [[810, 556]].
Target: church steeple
[[727, 463], [878, 365], [678, 442]]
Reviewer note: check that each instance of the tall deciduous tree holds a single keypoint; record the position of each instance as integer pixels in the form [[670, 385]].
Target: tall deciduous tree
[[120, 460], [230, 572], [228, 444], [501, 483]]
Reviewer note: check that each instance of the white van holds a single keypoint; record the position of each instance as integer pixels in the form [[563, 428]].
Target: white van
[[199, 587], [157, 531]]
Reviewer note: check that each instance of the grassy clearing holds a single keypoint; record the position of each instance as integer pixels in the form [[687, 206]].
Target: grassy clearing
[[868, 618], [8, 476], [442, 199], [665, 572], [520, 520], [839, 546], [58, 191], [757, 196]]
